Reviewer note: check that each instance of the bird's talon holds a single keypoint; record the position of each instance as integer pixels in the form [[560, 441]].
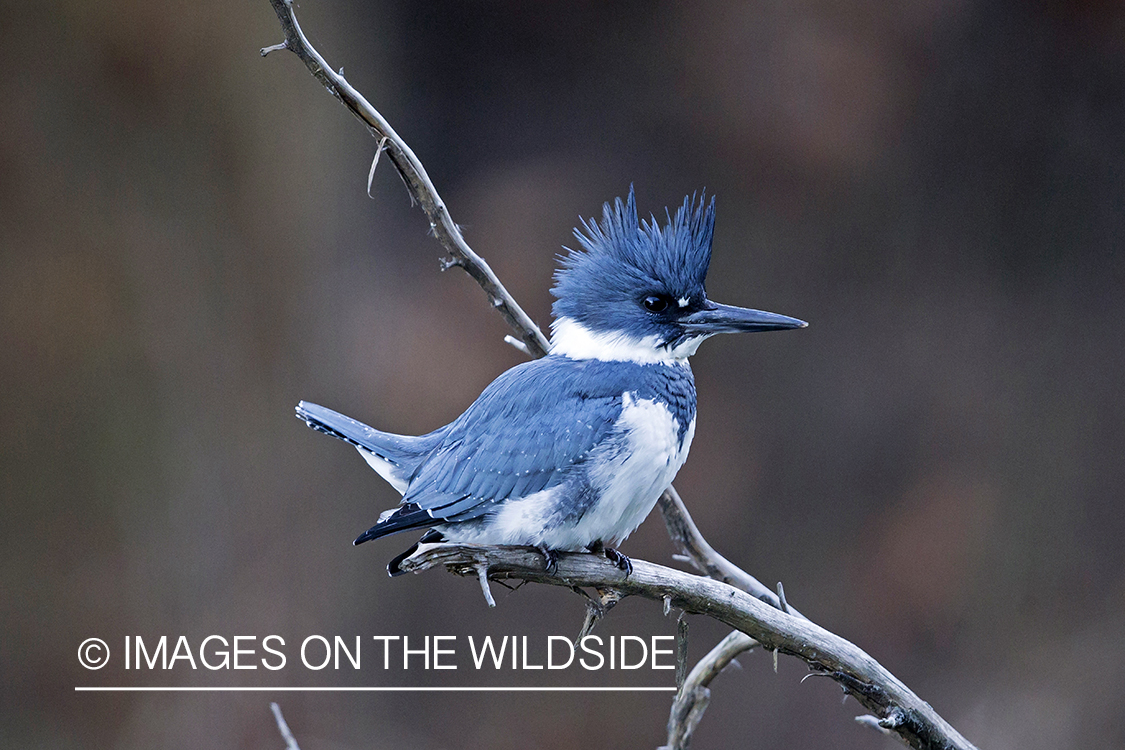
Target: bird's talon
[[550, 560], [619, 559]]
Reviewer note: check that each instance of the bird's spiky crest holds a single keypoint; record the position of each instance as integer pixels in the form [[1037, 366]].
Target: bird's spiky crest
[[622, 257]]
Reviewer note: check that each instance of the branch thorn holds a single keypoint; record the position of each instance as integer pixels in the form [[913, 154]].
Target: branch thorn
[[375, 163], [596, 608], [516, 343], [814, 674], [784, 605], [482, 576], [868, 720], [594, 613], [894, 718]]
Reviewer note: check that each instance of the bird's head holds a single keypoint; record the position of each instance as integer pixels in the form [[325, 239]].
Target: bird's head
[[634, 289]]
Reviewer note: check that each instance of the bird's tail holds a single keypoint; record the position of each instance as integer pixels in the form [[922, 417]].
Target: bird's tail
[[394, 457]]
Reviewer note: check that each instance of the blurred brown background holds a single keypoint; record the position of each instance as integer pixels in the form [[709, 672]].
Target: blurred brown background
[[934, 468]]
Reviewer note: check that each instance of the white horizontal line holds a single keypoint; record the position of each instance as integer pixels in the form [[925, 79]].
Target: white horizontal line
[[378, 689]]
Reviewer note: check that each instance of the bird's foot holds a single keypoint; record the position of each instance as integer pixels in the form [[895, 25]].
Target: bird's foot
[[550, 559], [617, 558]]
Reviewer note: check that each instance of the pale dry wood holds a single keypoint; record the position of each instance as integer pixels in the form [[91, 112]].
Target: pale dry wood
[[290, 740], [907, 715], [694, 694], [683, 531]]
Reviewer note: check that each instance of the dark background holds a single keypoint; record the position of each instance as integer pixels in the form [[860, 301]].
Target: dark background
[[934, 468]]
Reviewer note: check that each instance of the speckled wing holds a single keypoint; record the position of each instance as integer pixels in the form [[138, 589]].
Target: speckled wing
[[527, 432]]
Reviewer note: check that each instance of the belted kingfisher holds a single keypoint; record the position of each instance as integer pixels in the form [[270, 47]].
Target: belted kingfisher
[[570, 452]]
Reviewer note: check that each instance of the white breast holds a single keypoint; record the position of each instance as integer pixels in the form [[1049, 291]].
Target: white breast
[[631, 473]]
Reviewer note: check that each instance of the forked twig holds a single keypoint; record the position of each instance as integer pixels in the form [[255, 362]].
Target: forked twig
[[693, 696]]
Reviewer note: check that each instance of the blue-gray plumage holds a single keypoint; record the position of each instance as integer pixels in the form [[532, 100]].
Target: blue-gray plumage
[[571, 451]]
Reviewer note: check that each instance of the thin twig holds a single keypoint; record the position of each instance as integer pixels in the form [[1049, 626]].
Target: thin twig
[[290, 740], [413, 174], [703, 556], [693, 696], [681, 647]]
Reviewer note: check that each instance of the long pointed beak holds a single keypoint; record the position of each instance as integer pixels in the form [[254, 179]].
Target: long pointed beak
[[716, 318]]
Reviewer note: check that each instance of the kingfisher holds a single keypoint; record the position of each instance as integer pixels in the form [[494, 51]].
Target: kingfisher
[[570, 452]]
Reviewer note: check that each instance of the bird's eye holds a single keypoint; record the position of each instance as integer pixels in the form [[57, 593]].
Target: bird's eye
[[656, 303]]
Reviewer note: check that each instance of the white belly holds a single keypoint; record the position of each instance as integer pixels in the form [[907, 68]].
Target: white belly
[[631, 481], [630, 471]]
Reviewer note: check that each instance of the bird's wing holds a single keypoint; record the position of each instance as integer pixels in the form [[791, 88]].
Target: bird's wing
[[525, 433]]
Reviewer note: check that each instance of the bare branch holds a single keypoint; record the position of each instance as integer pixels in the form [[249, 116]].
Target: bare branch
[[911, 718], [703, 556], [413, 174], [693, 696], [290, 740]]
